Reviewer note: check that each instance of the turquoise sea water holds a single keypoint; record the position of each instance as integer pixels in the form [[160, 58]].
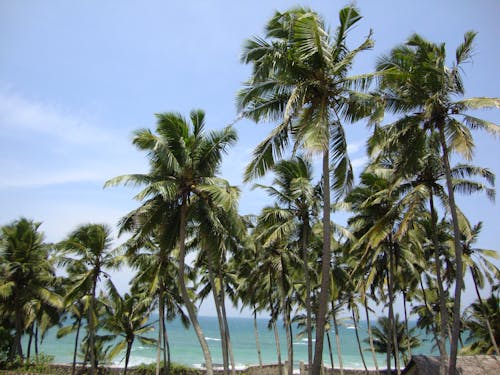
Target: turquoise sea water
[[185, 347]]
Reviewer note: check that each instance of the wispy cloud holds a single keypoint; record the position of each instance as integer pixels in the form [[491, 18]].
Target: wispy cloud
[[20, 114], [69, 148]]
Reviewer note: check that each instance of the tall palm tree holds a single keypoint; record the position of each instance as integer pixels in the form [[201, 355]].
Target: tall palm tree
[[89, 247], [300, 79], [293, 216], [184, 161], [27, 275], [419, 83]]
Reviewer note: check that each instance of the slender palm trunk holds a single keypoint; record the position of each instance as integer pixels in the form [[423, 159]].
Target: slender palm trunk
[[30, 340], [166, 345], [360, 349], [325, 267], [442, 303], [337, 339], [79, 324], [408, 341], [257, 342], [305, 260], [286, 320], [92, 325], [278, 346], [392, 322], [127, 355], [370, 336], [185, 296], [330, 351], [226, 326], [455, 332], [158, 346], [36, 341], [222, 328], [430, 312], [485, 317]]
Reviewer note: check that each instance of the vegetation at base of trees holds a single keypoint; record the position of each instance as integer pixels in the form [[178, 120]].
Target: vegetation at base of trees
[[405, 240]]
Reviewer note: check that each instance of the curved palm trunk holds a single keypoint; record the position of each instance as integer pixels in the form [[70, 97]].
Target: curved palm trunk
[[337, 340], [36, 341], [325, 268], [455, 332], [355, 322], [486, 319], [257, 342], [73, 368], [442, 303], [305, 260], [370, 336], [185, 296], [30, 340]]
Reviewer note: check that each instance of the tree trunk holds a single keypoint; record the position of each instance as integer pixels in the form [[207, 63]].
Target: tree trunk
[[337, 339], [455, 333], [79, 324], [226, 326], [278, 346], [325, 268], [158, 346], [330, 351], [442, 302], [286, 320], [392, 322], [166, 348], [486, 319], [408, 342], [222, 328], [92, 325], [185, 296], [305, 260], [355, 322], [18, 348], [36, 341], [28, 349], [127, 355], [370, 336], [256, 333]]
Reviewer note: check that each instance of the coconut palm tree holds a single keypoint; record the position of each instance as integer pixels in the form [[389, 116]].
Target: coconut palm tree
[[382, 333], [183, 163], [27, 275], [88, 248], [127, 316], [480, 341], [293, 216], [418, 82], [300, 79]]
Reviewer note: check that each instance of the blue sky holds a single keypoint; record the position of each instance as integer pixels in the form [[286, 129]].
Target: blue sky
[[76, 78]]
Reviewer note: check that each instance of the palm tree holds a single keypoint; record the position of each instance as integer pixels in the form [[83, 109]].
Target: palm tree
[[183, 161], [419, 82], [127, 317], [88, 246], [479, 339], [27, 275], [300, 79], [382, 333], [293, 216]]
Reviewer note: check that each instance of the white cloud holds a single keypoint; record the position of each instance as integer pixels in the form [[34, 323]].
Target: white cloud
[[359, 162], [20, 114], [354, 147]]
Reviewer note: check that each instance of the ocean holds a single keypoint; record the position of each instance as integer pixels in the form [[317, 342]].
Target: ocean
[[185, 348]]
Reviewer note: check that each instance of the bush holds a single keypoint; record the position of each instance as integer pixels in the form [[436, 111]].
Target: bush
[[175, 369]]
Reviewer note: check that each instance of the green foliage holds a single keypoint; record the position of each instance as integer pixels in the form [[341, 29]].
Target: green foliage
[[175, 369]]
